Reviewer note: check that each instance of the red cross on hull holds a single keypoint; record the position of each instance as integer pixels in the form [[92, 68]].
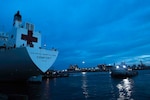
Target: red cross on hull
[[29, 38]]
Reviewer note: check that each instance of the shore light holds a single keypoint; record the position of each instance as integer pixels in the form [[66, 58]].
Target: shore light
[[124, 66], [117, 67]]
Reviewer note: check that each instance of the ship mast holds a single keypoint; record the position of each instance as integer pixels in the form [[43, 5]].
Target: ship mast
[[17, 20]]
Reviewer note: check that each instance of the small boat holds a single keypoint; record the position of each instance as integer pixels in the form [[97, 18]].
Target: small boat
[[122, 71]]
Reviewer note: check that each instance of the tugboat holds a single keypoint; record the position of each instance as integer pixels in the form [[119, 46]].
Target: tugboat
[[122, 71]]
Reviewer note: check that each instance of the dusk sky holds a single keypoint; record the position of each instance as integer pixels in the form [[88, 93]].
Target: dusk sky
[[93, 31]]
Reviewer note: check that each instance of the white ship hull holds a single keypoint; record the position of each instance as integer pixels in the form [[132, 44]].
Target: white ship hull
[[24, 62]]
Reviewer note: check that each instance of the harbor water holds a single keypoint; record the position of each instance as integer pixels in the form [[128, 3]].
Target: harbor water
[[84, 86]]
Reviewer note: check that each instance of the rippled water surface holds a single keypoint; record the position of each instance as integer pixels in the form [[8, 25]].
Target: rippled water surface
[[85, 86]]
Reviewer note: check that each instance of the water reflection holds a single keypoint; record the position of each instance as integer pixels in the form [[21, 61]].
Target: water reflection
[[125, 89], [84, 85], [46, 89]]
